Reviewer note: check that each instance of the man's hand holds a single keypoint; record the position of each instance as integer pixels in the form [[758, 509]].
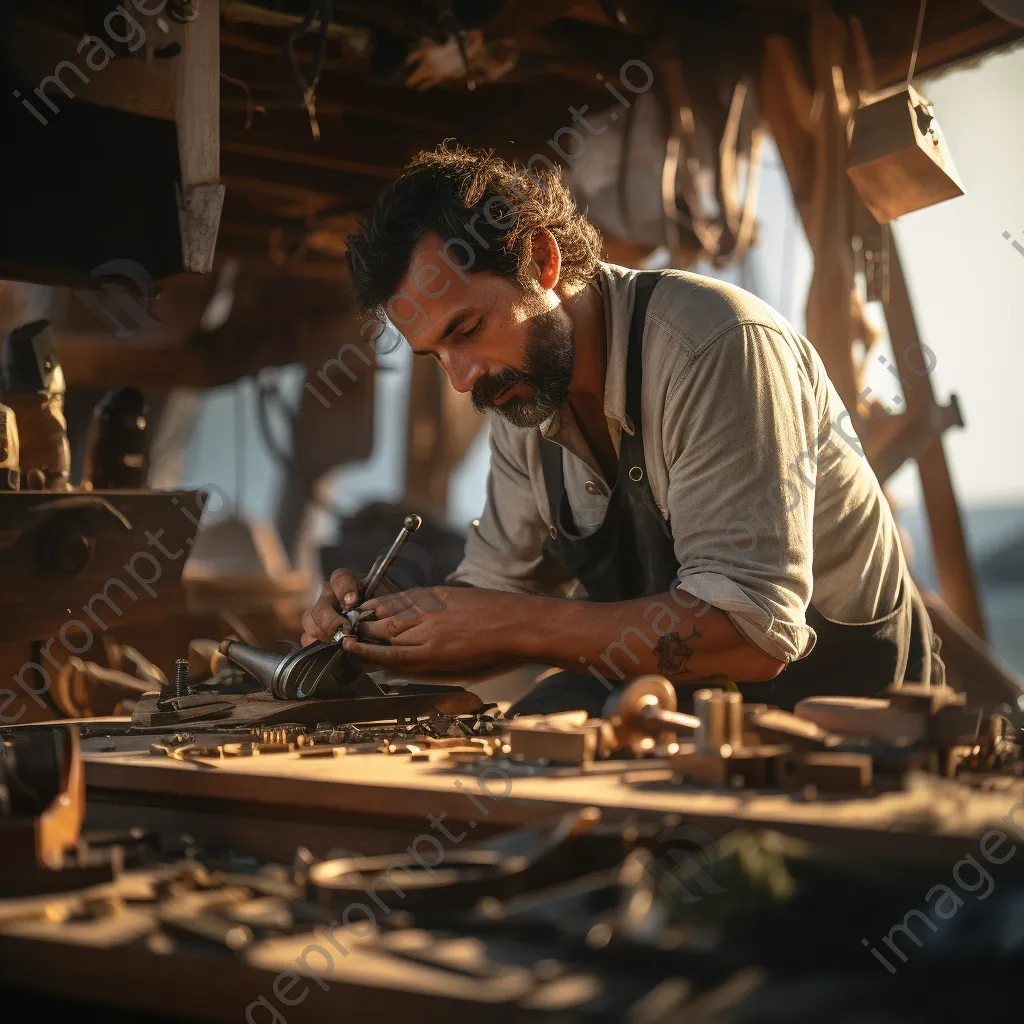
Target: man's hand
[[443, 629], [322, 621], [459, 630]]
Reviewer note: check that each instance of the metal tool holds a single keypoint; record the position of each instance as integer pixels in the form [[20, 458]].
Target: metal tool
[[644, 712], [10, 451], [720, 716], [412, 523], [33, 387], [117, 450]]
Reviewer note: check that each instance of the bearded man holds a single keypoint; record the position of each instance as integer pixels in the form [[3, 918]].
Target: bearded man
[[671, 489]]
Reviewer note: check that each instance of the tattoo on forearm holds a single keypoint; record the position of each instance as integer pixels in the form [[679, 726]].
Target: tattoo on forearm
[[674, 653]]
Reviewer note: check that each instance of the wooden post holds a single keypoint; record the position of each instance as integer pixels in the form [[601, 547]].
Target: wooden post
[[197, 120], [952, 561]]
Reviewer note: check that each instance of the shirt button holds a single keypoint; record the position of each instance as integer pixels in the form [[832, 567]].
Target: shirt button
[[591, 488]]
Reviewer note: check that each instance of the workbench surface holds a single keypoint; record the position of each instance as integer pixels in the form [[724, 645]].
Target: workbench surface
[[498, 794]]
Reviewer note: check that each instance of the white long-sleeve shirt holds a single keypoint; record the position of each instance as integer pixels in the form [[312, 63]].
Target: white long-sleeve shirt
[[751, 457]]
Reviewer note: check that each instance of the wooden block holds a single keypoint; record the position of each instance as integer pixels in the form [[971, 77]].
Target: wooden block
[[864, 716], [573, 745], [783, 727], [924, 699], [898, 159], [754, 767], [828, 771]]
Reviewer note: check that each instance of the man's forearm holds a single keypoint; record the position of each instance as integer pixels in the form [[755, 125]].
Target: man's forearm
[[653, 634]]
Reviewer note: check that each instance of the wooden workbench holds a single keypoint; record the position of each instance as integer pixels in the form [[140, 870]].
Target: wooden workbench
[[268, 804], [370, 801]]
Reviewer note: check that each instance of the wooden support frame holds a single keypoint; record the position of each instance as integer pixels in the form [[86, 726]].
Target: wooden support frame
[[952, 561], [794, 112]]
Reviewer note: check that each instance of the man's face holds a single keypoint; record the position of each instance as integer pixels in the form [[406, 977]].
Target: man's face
[[510, 348]]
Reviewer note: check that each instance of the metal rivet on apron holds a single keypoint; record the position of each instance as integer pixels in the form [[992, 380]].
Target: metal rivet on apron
[[553, 532], [591, 488], [636, 474]]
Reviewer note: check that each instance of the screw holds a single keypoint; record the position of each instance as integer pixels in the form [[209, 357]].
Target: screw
[[181, 677]]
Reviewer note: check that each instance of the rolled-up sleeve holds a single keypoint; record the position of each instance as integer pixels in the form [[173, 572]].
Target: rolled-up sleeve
[[737, 419], [504, 549]]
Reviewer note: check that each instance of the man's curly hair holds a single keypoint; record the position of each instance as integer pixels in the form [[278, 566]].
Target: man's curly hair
[[485, 208]]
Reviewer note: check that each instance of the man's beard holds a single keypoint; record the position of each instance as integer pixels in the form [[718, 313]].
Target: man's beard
[[547, 372]]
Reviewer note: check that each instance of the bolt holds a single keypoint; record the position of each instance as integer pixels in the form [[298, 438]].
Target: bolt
[[181, 677]]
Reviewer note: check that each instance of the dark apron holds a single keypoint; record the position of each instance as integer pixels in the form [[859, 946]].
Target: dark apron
[[631, 555]]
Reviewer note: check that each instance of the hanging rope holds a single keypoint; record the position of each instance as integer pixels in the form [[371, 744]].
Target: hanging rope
[[250, 107], [320, 9], [917, 41], [885, 227]]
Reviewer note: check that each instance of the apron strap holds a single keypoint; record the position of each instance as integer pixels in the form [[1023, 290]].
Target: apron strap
[[551, 451], [646, 282]]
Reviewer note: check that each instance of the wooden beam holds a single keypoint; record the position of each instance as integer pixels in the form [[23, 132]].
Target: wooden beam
[[952, 561], [971, 665], [786, 104], [35, 53], [948, 51], [261, 64], [889, 440], [275, 173], [524, 16], [287, 199], [326, 163], [197, 119], [343, 140]]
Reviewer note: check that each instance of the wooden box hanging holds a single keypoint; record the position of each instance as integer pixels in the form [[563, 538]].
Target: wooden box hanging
[[898, 159]]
